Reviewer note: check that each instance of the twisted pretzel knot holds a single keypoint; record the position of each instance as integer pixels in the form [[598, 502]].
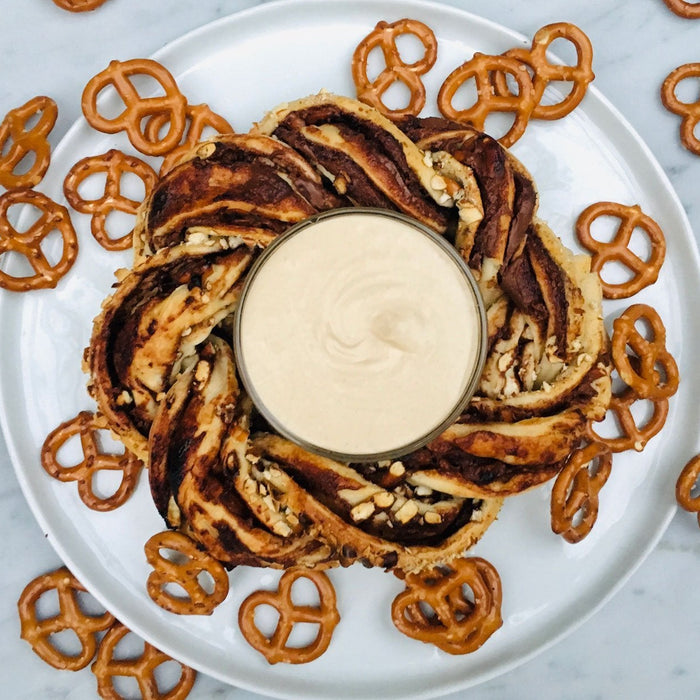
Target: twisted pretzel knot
[[142, 668], [199, 118], [70, 617], [384, 36], [690, 111], [79, 5], [53, 217], [86, 425], [456, 625], [24, 141], [137, 108], [645, 272], [576, 490], [643, 376], [687, 10], [114, 164], [185, 573], [634, 437], [275, 648], [481, 68], [543, 72], [687, 480]]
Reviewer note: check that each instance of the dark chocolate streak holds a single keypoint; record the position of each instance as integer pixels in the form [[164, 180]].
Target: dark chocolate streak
[[384, 152]]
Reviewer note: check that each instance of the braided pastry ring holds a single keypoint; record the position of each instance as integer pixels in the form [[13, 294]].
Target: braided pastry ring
[[114, 164], [185, 573], [457, 625], [275, 648], [690, 111], [576, 490], [70, 617], [24, 141], [480, 68], [54, 217], [644, 380], [86, 424], [384, 36], [684, 487], [141, 668], [645, 272], [687, 10], [118, 74]]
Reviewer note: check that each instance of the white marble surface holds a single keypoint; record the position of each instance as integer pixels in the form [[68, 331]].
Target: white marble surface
[[643, 643]]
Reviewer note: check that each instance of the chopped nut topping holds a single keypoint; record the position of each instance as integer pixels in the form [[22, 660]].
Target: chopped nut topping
[[362, 511], [423, 491], [125, 398], [384, 499], [397, 469], [432, 518], [281, 528], [639, 445], [407, 511], [201, 373], [438, 183]]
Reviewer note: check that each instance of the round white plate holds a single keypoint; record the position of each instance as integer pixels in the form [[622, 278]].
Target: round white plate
[[242, 66]]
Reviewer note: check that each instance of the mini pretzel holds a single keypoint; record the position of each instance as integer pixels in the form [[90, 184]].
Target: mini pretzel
[[687, 10], [79, 5], [141, 668], [114, 164], [53, 217], [396, 70], [137, 109], [24, 141], [86, 425], [634, 437], [481, 68], [543, 72], [645, 272], [69, 617], [184, 573], [456, 624], [645, 379], [574, 502], [690, 111], [687, 480], [199, 118], [275, 648]]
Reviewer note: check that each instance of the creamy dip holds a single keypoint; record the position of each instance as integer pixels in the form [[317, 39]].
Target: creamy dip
[[358, 334]]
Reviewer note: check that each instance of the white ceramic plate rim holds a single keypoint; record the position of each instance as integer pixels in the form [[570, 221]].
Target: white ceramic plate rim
[[101, 583]]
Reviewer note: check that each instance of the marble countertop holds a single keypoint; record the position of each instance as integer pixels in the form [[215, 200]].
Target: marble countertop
[[643, 643]]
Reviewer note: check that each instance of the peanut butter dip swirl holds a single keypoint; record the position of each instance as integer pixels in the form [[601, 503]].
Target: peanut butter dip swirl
[[163, 373]]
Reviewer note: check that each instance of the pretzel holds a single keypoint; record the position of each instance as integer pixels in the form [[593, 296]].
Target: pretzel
[[137, 108], [199, 117], [687, 10], [70, 616], [53, 217], [79, 5], [690, 111], [384, 36], [185, 573], [114, 164], [574, 501], [275, 648], [543, 72], [634, 437], [24, 141], [455, 624], [645, 272], [141, 668], [86, 425], [480, 68], [687, 480], [644, 379]]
